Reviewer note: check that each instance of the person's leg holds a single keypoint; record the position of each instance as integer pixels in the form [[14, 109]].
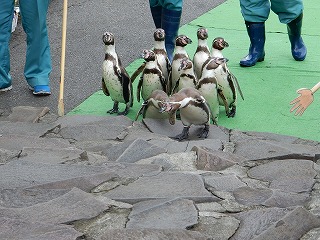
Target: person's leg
[[156, 12], [171, 15], [255, 13], [6, 16], [38, 57], [290, 12]]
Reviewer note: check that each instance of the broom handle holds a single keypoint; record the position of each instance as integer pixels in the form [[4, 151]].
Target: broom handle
[[315, 88], [63, 56]]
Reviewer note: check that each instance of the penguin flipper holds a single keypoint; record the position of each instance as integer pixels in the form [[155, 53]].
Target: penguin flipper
[[125, 81], [176, 86], [142, 109], [139, 88], [226, 106], [104, 88], [235, 80], [138, 71]]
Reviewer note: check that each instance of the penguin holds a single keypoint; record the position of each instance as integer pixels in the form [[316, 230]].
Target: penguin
[[208, 87], [187, 76], [202, 52], [154, 105], [193, 111], [218, 44], [227, 88], [116, 82], [161, 54], [179, 54], [151, 78]]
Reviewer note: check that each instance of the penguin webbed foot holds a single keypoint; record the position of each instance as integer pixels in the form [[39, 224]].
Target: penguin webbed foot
[[125, 112], [183, 135], [232, 112], [115, 109], [204, 132]]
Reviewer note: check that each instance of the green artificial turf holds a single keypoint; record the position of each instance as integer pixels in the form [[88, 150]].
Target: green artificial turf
[[268, 87]]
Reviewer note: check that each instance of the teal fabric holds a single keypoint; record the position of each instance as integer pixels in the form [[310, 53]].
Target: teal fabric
[[38, 57], [175, 5], [259, 10], [6, 16]]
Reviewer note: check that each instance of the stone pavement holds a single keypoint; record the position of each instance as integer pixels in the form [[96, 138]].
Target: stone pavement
[[94, 177]]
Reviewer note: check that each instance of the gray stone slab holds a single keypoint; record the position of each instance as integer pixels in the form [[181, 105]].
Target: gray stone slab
[[287, 199], [256, 149], [220, 228], [24, 128], [76, 120], [72, 206], [287, 175], [174, 213], [163, 185], [162, 126], [27, 114], [24, 174], [292, 226], [7, 155], [223, 182], [249, 196], [138, 150], [95, 132], [215, 160], [17, 198], [26, 230], [254, 222], [18, 142], [154, 234], [54, 155]]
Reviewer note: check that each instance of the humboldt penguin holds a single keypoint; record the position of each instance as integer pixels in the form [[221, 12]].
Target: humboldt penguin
[[202, 53], [154, 105], [218, 44], [187, 76], [208, 87], [227, 86], [161, 54], [116, 82], [179, 54], [151, 78], [193, 111]]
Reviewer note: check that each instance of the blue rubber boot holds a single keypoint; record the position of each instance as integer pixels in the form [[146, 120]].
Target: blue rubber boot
[[298, 49], [156, 13], [256, 32], [170, 24]]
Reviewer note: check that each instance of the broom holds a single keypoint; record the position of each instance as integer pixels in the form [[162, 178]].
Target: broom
[[63, 56]]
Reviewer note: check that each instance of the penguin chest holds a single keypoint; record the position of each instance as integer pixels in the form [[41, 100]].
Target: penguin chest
[[198, 61], [192, 114], [163, 64], [210, 93], [151, 82], [185, 82], [112, 82]]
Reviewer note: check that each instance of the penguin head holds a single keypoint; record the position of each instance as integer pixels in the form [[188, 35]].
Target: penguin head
[[108, 38], [219, 43], [183, 40], [202, 33], [185, 63], [159, 34], [148, 55]]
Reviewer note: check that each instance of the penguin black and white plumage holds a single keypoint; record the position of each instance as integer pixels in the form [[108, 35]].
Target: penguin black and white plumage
[[151, 78], [208, 87], [227, 89], [161, 53], [187, 76], [202, 53], [154, 105], [218, 44], [116, 82], [160, 50], [179, 53], [193, 111]]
